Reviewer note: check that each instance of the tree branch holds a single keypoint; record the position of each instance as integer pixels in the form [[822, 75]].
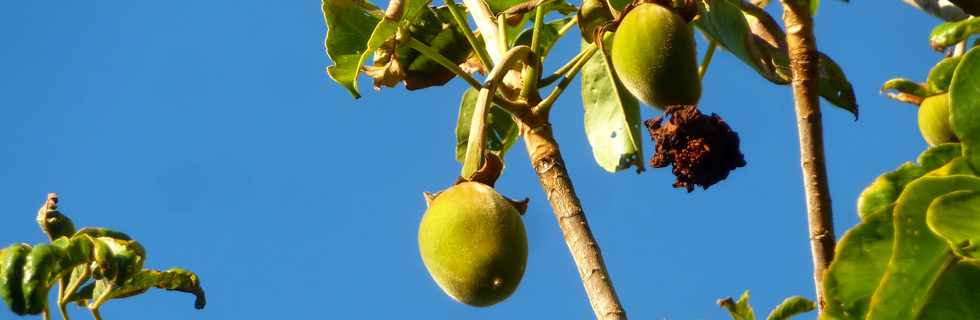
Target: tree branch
[[550, 168], [803, 62], [547, 162], [941, 9]]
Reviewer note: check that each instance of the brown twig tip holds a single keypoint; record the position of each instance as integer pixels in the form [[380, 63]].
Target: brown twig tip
[[702, 149], [52, 201], [727, 302]]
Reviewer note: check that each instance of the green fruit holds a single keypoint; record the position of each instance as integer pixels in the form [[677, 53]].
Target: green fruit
[[473, 243], [934, 120], [654, 56]]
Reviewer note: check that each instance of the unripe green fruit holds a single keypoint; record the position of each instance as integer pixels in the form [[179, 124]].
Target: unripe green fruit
[[473, 243], [934, 120], [654, 56]]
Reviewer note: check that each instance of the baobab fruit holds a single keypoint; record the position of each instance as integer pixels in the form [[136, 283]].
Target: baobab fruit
[[473, 243], [934, 120], [654, 55]]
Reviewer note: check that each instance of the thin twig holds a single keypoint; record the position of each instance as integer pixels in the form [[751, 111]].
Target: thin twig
[[803, 62], [562, 70]]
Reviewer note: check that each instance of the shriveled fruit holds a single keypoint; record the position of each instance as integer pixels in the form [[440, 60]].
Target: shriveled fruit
[[473, 243], [934, 120], [654, 55]]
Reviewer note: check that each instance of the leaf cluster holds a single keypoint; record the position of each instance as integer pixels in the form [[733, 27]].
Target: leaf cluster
[[916, 252], [90, 266]]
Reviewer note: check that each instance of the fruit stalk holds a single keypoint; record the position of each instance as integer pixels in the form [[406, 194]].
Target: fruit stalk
[[803, 62], [550, 168]]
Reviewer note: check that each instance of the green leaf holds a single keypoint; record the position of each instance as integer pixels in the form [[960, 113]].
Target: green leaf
[[956, 294], [743, 309], [860, 261], [53, 223], [42, 268], [740, 310], [724, 22], [754, 37], [814, 7], [612, 116], [956, 217], [383, 34], [887, 187], [12, 266], [436, 28], [920, 257], [501, 130], [348, 28], [942, 74], [834, 85], [791, 307], [964, 105], [951, 33], [906, 86], [547, 38], [172, 280], [958, 165]]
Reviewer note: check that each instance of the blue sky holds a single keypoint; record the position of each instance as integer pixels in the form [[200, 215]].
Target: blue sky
[[209, 131]]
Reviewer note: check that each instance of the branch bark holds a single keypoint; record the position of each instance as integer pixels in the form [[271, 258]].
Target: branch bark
[[547, 162], [941, 9], [549, 165], [803, 62]]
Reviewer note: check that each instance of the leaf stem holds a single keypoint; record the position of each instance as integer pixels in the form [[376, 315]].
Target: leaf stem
[[562, 70], [707, 59], [481, 51], [546, 104], [803, 62], [531, 69], [568, 26], [441, 59]]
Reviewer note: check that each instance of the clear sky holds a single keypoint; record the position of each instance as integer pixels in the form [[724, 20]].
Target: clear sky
[[210, 132]]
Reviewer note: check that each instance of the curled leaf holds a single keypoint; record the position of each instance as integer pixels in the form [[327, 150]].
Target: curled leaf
[[887, 187], [908, 91], [951, 33], [942, 74], [964, 105]]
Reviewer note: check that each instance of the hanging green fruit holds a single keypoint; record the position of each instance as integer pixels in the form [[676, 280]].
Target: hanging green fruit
[[654, 55], [934, 120], [473, 243]]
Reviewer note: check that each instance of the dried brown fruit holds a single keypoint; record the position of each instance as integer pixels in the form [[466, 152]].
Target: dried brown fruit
[[702, 149]]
